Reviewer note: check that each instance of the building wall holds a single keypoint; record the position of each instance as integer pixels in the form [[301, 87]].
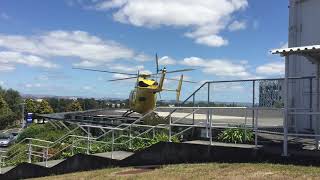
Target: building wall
[[304, 30]]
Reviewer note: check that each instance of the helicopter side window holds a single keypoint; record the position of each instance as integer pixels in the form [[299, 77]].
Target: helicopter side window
[[142, 84], [132, 95]]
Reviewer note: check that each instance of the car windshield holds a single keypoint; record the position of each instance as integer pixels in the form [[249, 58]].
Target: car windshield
[[4, 136]]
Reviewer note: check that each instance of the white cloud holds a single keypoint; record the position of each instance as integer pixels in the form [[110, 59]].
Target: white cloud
[[6, 67], [87, 88], [91, 50], [237, 25], [166, 60], [31, 85], [142, 57], [10, 58], [4, 16], [1, 83], [218, 67], [205, 19], [129, 69], [123, 68], [212, 40], [274, 68]]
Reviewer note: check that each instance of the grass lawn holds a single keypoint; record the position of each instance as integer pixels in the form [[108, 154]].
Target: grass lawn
[[201, 171]]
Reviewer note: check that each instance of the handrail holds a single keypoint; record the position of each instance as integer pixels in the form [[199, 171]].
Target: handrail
[[138, 120], [183, 102]]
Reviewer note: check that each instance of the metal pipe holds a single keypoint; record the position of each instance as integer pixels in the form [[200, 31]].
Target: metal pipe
[[112, 148], [47, 152], [170, 129], [29, 152], [208, 112], [310, 105], [253, 99], [245, 125], [130, 143], [256, 130], [88, 141], [1, 164], [193, 109], [210, 126], [267, 79], [318, 104]]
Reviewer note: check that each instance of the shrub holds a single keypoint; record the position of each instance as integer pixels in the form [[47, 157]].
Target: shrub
[[153, 119], [41, 131], [237, 135]]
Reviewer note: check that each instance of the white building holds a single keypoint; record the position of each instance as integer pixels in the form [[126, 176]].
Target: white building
[[304, 30]]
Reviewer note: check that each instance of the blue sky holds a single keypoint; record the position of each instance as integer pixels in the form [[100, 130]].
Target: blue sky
[[40, 42]]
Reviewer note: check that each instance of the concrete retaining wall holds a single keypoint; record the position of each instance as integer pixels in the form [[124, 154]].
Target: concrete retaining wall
[[161, 154]]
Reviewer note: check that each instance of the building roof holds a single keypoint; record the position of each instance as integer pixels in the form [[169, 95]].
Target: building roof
[[308, 51]]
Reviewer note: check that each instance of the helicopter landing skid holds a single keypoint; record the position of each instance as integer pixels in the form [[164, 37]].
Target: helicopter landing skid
[[127, 113]]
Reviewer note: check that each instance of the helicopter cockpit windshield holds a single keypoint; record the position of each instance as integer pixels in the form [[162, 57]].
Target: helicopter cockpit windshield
[[143, 84]]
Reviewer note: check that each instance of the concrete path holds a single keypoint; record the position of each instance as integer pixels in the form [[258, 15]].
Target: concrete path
[[119, 155], [245, 146]]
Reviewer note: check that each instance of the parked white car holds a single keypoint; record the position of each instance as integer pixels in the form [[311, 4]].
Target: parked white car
[[6, 139]]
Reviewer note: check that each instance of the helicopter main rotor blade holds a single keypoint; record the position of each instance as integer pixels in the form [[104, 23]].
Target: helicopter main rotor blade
[[176, 71], [180, 70], [112, 72], [121, 79], [182, 81]]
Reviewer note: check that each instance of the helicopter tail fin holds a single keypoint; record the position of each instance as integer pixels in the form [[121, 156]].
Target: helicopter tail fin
[[179, 88]]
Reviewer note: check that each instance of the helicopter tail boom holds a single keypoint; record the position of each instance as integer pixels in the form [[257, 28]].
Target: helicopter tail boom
[[179, 88]]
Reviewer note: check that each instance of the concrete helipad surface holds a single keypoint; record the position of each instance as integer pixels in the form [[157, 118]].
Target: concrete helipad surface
[[263, 121]]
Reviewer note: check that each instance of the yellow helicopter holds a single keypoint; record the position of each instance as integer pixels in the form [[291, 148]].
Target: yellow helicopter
[[143, 97]]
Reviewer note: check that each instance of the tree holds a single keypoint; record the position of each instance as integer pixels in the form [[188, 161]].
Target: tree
[[44, 108], [13, 99], [74, 106], [6, 115], [31, 106]]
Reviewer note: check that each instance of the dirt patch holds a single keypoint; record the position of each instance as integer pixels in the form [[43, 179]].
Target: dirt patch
[[137, 170]]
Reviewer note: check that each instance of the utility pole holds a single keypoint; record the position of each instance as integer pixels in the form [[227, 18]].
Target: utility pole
[[22, 114]]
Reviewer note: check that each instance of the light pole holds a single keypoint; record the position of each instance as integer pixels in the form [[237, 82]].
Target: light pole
[[22, 114]]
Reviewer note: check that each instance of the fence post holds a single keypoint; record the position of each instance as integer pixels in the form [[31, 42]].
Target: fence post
[[170, 121], [256, 130], [253, 100], [311, 102], [245, 125], [72, 147], [88, 141], [1, 163], [130, 143], [112, 144], [208, 112], [193, 102], [47, 152], [29, 151], [210, 123]]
